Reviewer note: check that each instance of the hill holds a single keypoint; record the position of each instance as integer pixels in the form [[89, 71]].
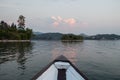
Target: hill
[[103, 37], [48, 36], [60, 36]]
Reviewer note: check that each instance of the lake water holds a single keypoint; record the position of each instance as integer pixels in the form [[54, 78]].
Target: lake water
[[98, 60]]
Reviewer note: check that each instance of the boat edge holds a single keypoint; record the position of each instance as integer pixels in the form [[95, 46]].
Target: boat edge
[[62, 59]]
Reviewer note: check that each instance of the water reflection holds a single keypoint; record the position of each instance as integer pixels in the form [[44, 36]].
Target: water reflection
[[18, 63], [15, 52], [71, 43], [68, 50], [21, 56]]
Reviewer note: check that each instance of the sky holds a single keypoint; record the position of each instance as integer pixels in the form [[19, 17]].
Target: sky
[[65, 16]]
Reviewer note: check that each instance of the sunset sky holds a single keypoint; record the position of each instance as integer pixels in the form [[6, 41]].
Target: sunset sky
[[65, 16]]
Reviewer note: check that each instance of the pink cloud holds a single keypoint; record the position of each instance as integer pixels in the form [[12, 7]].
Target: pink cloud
[[59, 20], [54, 18], [55, 23], [70, 21]]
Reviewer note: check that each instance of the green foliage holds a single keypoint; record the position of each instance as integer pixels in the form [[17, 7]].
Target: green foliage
[[13, 33], [71, 37]]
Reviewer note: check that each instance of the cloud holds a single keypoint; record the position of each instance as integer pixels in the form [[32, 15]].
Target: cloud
[[70, 21], [64, 0], [55, 23], [7, 6], [59, 20], [54, 18], [84, 24]]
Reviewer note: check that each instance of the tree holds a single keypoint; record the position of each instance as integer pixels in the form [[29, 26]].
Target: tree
[[29, 33], [13, 27], [21, 22], [3, 25]]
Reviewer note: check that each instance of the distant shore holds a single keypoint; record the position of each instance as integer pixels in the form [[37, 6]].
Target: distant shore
[[15, 40], [71, 40]]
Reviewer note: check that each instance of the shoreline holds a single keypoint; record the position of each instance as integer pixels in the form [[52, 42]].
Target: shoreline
[[15, 40], [71, 40]]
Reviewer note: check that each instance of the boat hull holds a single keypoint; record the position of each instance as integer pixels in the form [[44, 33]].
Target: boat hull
[[60, 69]]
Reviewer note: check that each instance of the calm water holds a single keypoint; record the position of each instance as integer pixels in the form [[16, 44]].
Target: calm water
[[98, 60]]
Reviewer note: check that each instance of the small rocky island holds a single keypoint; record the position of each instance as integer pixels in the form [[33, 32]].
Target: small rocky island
[[15, 33]]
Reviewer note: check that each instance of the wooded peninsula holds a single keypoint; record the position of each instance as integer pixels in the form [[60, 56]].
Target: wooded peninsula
[[13, 32]]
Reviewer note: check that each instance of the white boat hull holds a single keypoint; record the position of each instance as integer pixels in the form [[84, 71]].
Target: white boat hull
[[60, 70]]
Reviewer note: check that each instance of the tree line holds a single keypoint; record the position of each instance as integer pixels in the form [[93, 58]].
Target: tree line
[[12, 32]]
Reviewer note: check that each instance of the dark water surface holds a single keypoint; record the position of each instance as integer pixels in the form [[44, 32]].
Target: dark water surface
[[98, 60]]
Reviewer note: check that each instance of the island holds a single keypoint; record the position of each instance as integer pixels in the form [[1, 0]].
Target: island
[[11, 33], [71, 37]]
